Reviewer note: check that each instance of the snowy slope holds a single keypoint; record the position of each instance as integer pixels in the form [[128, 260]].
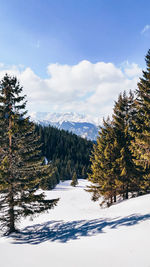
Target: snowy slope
[[79, 233]]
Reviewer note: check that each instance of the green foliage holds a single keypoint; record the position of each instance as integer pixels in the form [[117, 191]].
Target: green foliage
[[74, 181], [113, 171], [21, 167], [103, 169], [142, 122], [141, 143], [128, 175], [67, 152], [121, 157]]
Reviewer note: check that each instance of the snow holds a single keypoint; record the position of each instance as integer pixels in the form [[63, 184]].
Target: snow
[[63, 117], [79, 233], [69, 121]]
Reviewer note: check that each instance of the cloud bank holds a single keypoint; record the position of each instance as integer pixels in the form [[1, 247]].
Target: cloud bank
[[85, 87]]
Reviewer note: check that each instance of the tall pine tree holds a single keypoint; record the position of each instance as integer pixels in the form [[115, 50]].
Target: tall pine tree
[[103, 168], [141, 143], [21, 164], [124, 111]]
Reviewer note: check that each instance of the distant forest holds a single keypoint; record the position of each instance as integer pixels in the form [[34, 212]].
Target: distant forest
[[67, 153]]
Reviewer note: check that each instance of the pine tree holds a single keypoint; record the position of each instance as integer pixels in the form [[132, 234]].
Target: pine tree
[[141, 143], [74, 181], [21, 164], [103, 168], [84, 173], [124, 112]]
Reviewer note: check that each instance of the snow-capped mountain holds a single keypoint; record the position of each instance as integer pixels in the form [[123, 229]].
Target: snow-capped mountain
[[73, 122]]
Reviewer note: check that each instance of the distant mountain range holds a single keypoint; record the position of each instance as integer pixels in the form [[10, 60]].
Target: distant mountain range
[[73, 122]]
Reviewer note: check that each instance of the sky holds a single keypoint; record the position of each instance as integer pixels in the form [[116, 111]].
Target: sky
[[74, 55]]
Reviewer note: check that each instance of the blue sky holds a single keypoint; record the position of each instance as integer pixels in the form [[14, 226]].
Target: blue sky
[[38, 33]]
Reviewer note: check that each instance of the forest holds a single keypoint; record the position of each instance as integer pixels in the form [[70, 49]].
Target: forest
[[68, 154]]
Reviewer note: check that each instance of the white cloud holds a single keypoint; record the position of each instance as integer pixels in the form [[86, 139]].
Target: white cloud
[[85, 87], [146, 28], [133, 70]]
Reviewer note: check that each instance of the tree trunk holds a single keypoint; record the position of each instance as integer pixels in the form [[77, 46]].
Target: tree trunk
[[11, 222], [127, 192], [114, 197], [124, 192]]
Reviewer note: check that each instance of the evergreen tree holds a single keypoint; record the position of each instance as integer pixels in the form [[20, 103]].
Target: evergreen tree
[[21, 167], [103, 169], [49, 182], [84, 173], [74, 181], [124, 112], [141, 143]]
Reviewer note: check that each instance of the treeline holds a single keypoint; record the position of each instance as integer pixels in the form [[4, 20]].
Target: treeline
[[120, 161], [68, 154]]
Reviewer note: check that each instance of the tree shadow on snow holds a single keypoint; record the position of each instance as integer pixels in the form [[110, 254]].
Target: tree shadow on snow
[[61, 231]]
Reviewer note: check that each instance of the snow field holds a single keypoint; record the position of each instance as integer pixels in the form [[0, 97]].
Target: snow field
[[79, 233]]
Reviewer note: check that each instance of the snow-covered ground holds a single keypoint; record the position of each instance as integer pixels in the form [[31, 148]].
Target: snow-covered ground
[[79, 233]]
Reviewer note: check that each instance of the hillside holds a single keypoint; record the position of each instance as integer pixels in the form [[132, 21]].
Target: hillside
[[67, 152], [79, 233]]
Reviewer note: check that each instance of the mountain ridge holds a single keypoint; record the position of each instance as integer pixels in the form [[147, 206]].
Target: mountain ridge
[[78, 124]]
